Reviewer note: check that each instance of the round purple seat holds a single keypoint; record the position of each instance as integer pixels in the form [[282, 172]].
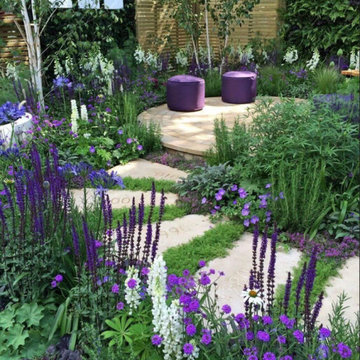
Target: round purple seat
[[185, 93], [238, 87]]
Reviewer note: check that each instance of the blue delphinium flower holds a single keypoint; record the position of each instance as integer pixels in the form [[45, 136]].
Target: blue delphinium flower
[[10, 112]]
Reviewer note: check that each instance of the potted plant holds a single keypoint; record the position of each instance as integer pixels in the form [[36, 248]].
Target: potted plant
[[14, 122]]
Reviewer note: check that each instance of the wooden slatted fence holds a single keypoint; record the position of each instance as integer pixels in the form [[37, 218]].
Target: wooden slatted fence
[[156, 30], [12, 45]]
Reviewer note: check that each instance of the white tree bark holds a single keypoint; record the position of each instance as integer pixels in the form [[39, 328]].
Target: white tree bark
[[207, 34], [34, 50]]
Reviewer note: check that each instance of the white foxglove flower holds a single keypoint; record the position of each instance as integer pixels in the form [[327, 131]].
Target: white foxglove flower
[[291, 55], [74, 116], [132, 289], [139, 55], [83, 113], [252, 296], [354, 60], [313, 62]]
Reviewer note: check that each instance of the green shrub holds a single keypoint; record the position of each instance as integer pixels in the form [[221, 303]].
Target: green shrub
[[326, 80], [327, 25], [306, 196], [230, 145], [271, 81], [212, 83]]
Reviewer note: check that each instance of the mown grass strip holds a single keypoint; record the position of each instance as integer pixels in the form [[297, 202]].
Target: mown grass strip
[[145, 184], [325, 269], [214, 243], [171, 212]]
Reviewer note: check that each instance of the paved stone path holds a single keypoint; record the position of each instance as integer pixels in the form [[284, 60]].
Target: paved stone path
[[237, 266], [192, 132], [120, 198], [238, 263], [347, 281], [142, 168]]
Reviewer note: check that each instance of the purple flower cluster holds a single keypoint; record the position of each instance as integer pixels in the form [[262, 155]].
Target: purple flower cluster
[[58, 279], [10, 112]]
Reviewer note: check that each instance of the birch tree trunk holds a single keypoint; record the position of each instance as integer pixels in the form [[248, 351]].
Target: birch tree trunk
[[207, 34], [195, 53], [223, 56], [34, 50]]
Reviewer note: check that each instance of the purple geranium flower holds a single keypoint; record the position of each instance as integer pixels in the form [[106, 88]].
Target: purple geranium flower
[[263, 336], [119, 305], [92, 149], [129, 140], [191, 329], [59, 278], [131, 283], [156, 340], [202, 263], [226, 309], [188, 348], [115, 289]]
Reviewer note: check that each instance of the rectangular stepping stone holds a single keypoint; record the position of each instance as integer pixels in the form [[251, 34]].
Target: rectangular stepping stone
[[237, 266], [141, 168], [347, 281], [120, 198]]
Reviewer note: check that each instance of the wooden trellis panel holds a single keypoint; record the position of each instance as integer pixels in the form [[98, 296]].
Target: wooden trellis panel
[[156, 30], [12, 45]]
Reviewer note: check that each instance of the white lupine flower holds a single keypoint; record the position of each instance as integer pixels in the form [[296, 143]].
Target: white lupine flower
[[291, 55], [167, 320], [87, 135], [139, 55], [151, 59], [354, 60], [74, 116], [313, 62], [132, 296], [83, 113]]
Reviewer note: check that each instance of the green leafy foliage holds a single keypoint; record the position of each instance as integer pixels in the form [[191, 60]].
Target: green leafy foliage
[[326, 80], [326, 25], [145, 184], [24, 329]]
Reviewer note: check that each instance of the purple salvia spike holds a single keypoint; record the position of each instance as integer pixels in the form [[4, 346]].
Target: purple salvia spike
[[4, 227], [148, 241], [158, 225], [89, 250], [254, 248], [247, 306], [271, 272], [20, 200], [140, 226], [125, 238], [12, 209], [309, 283], [119, 245], [263, 248], [132, 226], [287, 293], [76, 244], [299, 287], [316, 311]]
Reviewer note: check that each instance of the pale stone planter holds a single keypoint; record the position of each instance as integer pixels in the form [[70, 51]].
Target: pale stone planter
[[15, 131]]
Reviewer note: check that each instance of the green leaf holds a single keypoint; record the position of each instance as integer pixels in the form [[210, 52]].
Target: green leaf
[[6, 318], [16, 336], [30, 313]]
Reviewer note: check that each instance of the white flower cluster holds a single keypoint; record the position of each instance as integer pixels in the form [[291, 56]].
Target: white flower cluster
[[291, 55], [148, 58], [97, 61], [181, 57], [132, 296], [11, 71], [245, 54], [83, 113], [74, 116], [166, 319], [313, 62], [354, 60]]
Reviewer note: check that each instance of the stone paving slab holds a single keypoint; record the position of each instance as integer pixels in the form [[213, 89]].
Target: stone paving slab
[[142, 168], [192, 132], [179, 231], [120, 198], [347, 281], [237, 266]]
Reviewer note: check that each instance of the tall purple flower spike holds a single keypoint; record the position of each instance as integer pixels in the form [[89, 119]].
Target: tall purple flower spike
[[316, 311], [271, 272], [287, 293], [263, 248], [299, 287]]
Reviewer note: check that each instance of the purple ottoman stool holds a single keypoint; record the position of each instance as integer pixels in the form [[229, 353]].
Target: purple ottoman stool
[[238, 87], [185, 93]]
